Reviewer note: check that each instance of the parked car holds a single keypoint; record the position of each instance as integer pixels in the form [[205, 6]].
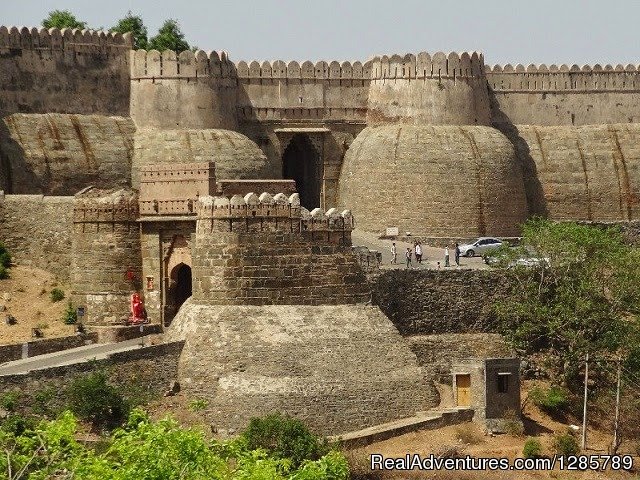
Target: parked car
[[480, 246]]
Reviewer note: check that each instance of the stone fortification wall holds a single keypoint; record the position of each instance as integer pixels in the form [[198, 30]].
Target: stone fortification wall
[[582, 173], [552, 95], [60, 154], [423, 302], [440, 89], [268, 250], [106, 254], [37, 231], [294, 92], [337, 367], [434, 181], [235, 156], [66, 71], [34, 348], [437, 353], [186, 90], [148, 371]]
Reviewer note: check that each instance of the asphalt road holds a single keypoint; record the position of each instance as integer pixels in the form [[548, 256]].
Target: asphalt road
[[67, 357]]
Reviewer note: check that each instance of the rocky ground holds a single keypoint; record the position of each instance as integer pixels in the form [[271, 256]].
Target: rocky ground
[[25, 295]]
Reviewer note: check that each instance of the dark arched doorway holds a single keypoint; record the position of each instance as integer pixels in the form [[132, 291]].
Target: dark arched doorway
[[179, 289], [301, 162]]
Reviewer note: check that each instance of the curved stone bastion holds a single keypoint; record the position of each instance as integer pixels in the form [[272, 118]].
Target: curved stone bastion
[[253, 347]]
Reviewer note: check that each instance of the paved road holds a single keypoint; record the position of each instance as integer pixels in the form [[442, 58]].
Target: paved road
[[67, 357]]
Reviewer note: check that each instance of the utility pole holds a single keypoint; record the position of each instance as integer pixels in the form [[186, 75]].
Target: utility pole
[[616, 438], [584, 406]]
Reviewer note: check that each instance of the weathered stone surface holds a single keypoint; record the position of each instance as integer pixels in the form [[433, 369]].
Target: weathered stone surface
[[582, 173], [59, 154], [235, 156], [338, 368], [434, 181], [37, 231], [436, 301]]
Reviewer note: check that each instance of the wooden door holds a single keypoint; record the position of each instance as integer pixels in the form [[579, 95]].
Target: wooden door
[[463, 390]]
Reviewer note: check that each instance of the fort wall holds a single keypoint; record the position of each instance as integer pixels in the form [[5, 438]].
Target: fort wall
[[438, 90], [106, 255], [60, 154], [268, 250], [185, 90], [37, 231], [564, 95], [63, 71]]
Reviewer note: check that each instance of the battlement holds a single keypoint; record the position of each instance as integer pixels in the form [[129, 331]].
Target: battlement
[[563, 78], [272, 213], [307, 70], [185, 65], [423, 66], [55, 39], [93, 205]]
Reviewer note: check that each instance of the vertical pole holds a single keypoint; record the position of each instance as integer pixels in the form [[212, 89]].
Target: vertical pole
[[616, 438], [584, 406]]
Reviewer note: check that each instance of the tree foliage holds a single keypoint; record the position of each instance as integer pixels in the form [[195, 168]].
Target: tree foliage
[[584, 297], [169, 37], [135, 25], [143, 449], [62, 19]]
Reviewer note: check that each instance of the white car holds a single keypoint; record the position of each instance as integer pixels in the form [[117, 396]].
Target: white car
[[479, 247]]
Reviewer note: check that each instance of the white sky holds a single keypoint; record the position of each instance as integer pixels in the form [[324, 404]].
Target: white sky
[[516, 31]]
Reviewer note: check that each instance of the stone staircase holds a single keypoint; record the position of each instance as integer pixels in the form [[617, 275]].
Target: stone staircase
[[430, 420]]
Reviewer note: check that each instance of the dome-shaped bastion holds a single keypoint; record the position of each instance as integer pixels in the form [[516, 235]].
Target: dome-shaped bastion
[[435, 181]]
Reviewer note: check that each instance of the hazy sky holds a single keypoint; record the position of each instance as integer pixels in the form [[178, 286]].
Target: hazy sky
[[532, 31]]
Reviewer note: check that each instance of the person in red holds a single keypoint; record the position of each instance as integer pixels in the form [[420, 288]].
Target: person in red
[[137, 314]]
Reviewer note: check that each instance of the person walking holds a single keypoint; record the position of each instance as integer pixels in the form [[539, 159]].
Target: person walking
[[446, 256], [418, 252], [394, 253], [408, 256], [457, 255]]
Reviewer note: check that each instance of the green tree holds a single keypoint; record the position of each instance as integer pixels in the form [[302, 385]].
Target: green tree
[[584, 297], [135, 25], [62, 19], [169, 37]]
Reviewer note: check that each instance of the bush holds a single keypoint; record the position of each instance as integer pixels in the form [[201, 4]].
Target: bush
[[92, 398], [565, 444], [4, 272], [70, 316], [5, 257], [284, 437], [532, 448], [552, 400], [9, 400], [17, 424], [512, 424], [56, 295], [468, 435]]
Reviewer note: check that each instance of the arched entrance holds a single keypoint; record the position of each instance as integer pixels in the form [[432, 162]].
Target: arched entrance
[[180, 288], [301, 162]]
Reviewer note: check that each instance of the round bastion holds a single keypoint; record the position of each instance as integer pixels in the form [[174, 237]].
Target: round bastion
[[434, 181]]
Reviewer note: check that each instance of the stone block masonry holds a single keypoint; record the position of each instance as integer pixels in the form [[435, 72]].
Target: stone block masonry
[[37, 231]]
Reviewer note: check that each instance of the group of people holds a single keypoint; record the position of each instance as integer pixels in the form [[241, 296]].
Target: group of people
[[417, 250]]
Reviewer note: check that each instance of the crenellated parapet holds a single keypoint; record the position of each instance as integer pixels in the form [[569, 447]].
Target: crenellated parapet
[[94, 206], [82, 41], [306, 70], [184, 65], [426, 66], [272, 213], [563, 78]]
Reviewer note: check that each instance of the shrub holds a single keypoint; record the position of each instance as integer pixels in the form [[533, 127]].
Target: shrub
[[532, 448], [92, 398], [552, 400], [17, 424], [198, 405], [565, 444], [468, 436], [9, 400], [5, 257], [70, 316], [56, 295], [284, 437], [512, 424], [4, 272]]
